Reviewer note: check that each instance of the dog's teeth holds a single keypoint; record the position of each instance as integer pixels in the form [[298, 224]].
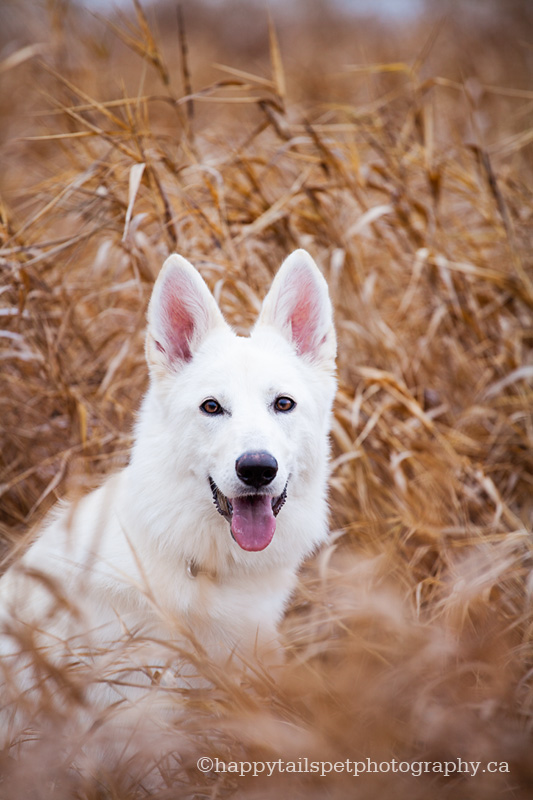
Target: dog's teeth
[[278, 503], [222, 503]]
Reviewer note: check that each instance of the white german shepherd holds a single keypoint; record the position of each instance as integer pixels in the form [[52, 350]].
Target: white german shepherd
[[225, 494]]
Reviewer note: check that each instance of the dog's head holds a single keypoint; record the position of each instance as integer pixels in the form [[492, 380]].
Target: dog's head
[[247, 418]]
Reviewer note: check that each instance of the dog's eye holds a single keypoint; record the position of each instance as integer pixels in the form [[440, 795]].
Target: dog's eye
[[284, 404], [211, 406]]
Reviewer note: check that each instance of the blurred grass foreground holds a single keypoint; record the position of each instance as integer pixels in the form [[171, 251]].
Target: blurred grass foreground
[[399, 152]]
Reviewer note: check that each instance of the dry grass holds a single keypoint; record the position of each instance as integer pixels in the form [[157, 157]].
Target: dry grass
[[410, 182]]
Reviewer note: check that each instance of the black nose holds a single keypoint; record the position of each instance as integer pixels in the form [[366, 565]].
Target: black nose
[[256, 469]]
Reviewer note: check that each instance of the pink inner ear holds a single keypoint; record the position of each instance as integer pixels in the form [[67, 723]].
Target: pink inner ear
[[178, 320], [304, 316]]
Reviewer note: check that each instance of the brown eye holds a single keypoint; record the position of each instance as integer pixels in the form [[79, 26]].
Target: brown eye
[[211, 406], [284, 404]]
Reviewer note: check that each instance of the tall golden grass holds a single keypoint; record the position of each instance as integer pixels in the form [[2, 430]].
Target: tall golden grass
[[401, 158]]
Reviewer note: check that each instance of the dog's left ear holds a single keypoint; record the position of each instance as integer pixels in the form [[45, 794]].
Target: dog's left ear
[[181, 313], [298, 306]]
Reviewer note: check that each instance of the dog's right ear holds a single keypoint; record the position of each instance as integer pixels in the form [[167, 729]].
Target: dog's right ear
[[181, 313], [298, 307]]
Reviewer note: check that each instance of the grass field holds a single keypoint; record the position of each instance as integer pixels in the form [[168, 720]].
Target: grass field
[[400, 155]]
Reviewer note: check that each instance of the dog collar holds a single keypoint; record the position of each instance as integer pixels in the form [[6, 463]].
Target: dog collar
[[193, 570]]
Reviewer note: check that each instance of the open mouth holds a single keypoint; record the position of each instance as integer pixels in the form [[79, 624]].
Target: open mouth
[[252, 517]]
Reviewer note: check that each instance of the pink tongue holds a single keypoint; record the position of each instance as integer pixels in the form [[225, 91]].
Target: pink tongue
[[253, 523]]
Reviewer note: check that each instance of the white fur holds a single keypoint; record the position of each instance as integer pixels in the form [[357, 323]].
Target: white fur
[[125, 552]]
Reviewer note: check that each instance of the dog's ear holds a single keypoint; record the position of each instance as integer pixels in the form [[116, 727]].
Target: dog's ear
[[182, 311], [298, 306]]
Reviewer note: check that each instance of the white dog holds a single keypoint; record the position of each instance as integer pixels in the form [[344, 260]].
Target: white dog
[[225, 494]]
